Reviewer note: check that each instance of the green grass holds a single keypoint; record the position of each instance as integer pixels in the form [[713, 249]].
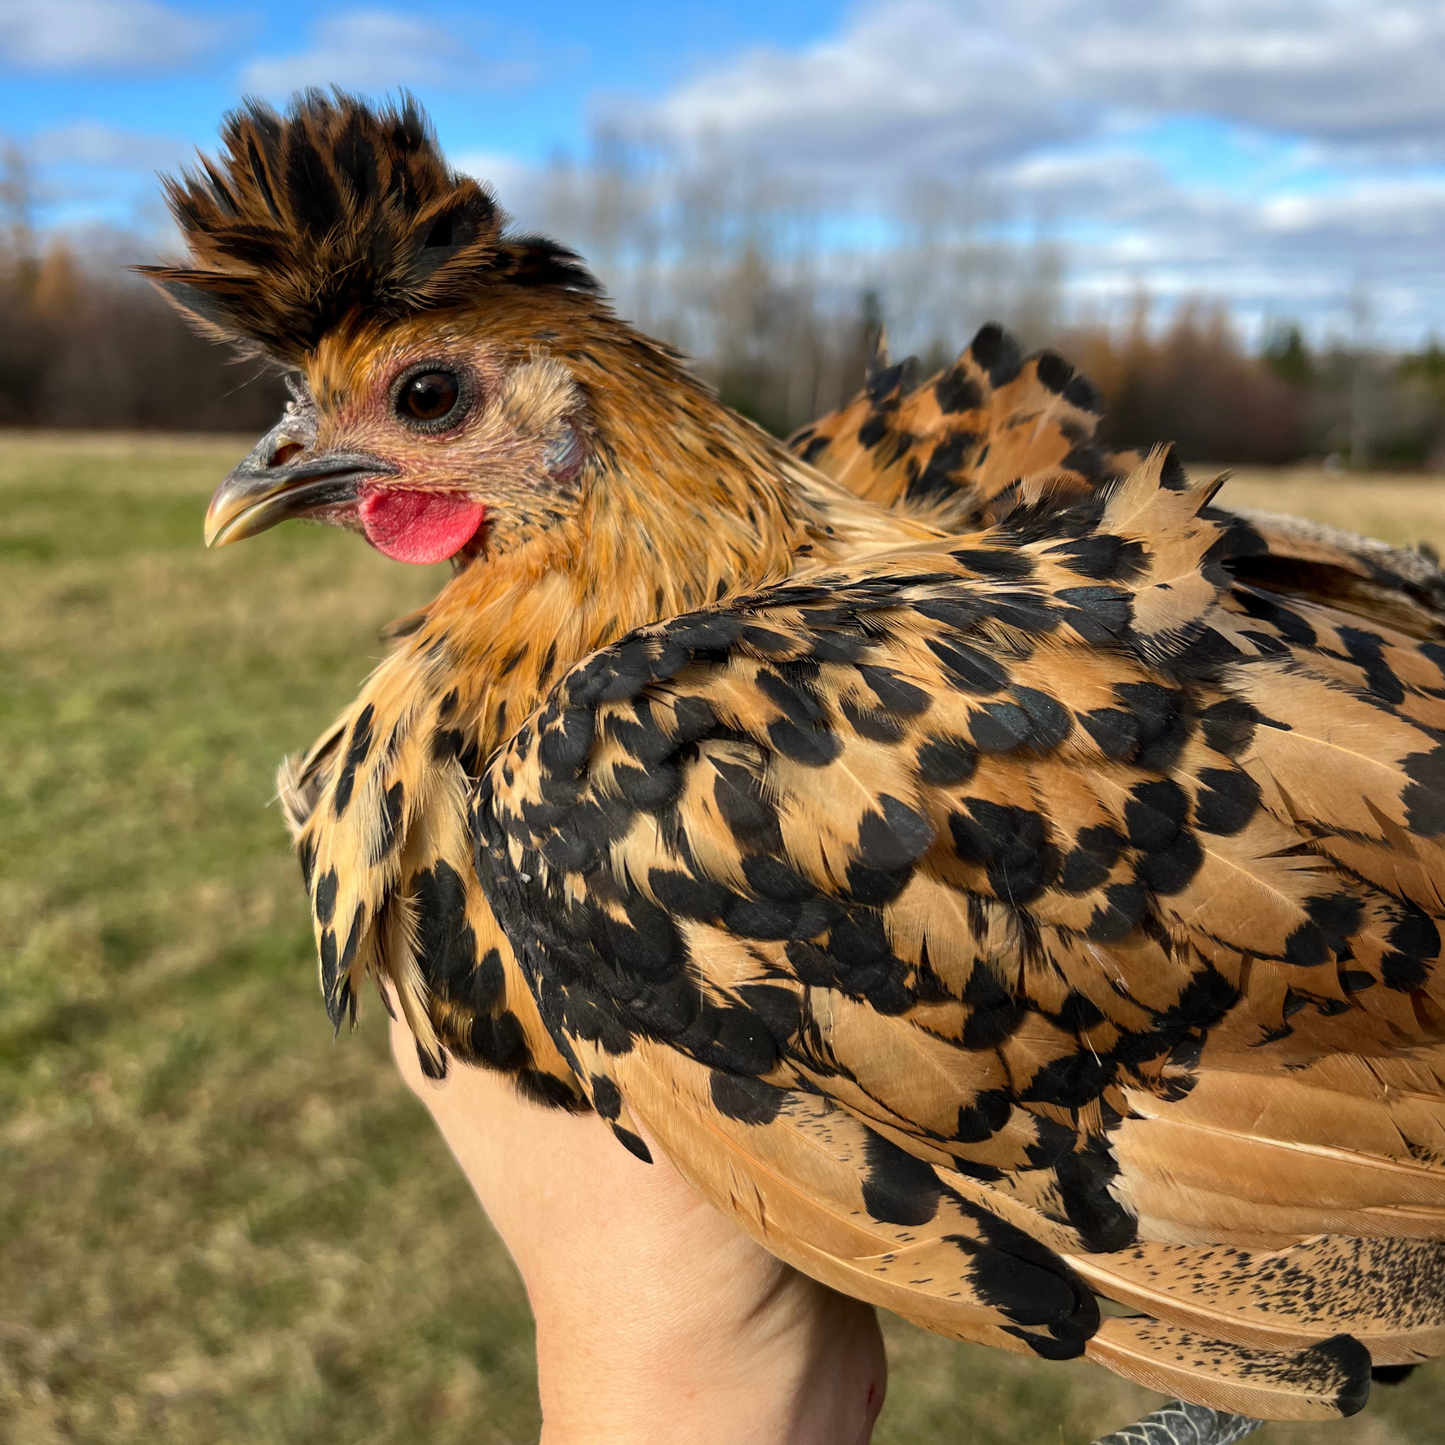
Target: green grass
[[215, 1223]]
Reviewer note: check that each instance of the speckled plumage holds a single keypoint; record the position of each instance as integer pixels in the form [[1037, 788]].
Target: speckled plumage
[[1052, 883], [995, 875]]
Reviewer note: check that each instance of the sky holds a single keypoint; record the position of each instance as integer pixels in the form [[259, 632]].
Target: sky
[[1284, 156]]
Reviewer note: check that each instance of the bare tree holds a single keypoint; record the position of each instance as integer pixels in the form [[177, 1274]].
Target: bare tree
[[775, 294]]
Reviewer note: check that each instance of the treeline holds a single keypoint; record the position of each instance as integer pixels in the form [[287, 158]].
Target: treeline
[[779, 309], [83, 343], [1194, 383]]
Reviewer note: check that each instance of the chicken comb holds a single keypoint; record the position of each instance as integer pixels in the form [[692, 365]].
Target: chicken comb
[[336, 209]]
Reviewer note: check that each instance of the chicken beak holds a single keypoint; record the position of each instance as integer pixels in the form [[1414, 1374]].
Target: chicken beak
[[283, 478]]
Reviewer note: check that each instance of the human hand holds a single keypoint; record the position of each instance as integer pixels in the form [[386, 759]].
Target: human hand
[[657, 1319]]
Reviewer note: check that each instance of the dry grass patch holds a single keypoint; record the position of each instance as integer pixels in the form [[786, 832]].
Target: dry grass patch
[[1403, 510]]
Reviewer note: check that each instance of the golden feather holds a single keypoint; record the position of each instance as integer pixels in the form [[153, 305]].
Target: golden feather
[[993, 872]]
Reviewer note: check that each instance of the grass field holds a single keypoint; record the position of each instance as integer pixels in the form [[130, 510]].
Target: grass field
[[215, 1223]]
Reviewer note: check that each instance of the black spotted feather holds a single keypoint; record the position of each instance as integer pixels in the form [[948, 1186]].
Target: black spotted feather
[[1039, 888], [997, 876]]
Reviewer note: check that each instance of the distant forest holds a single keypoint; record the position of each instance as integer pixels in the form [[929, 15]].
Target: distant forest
[[736, 269]]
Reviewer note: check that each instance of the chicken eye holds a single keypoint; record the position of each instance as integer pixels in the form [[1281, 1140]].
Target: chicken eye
[[429, 396]]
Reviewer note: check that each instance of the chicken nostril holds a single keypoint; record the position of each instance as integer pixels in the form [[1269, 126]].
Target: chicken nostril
[[284, 453]]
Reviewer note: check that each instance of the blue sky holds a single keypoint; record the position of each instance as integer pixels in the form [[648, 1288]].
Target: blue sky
[[102, 106], [1285, 155], [504, 79]]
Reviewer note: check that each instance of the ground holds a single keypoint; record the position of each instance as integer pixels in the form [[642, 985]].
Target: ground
[[217, 1224]]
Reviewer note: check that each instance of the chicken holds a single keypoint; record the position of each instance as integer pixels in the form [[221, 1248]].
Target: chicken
[[999, 878]]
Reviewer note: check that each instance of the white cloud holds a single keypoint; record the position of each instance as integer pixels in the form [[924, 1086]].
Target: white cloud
[[1328, 115], [517, 183], [913, 82], [920, 81], [89, 143], [86, 171], [376, 50], [1306, 256], [1358, 74], [133, 35]]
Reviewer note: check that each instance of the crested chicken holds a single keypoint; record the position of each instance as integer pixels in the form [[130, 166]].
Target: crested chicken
[[999, 878]]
